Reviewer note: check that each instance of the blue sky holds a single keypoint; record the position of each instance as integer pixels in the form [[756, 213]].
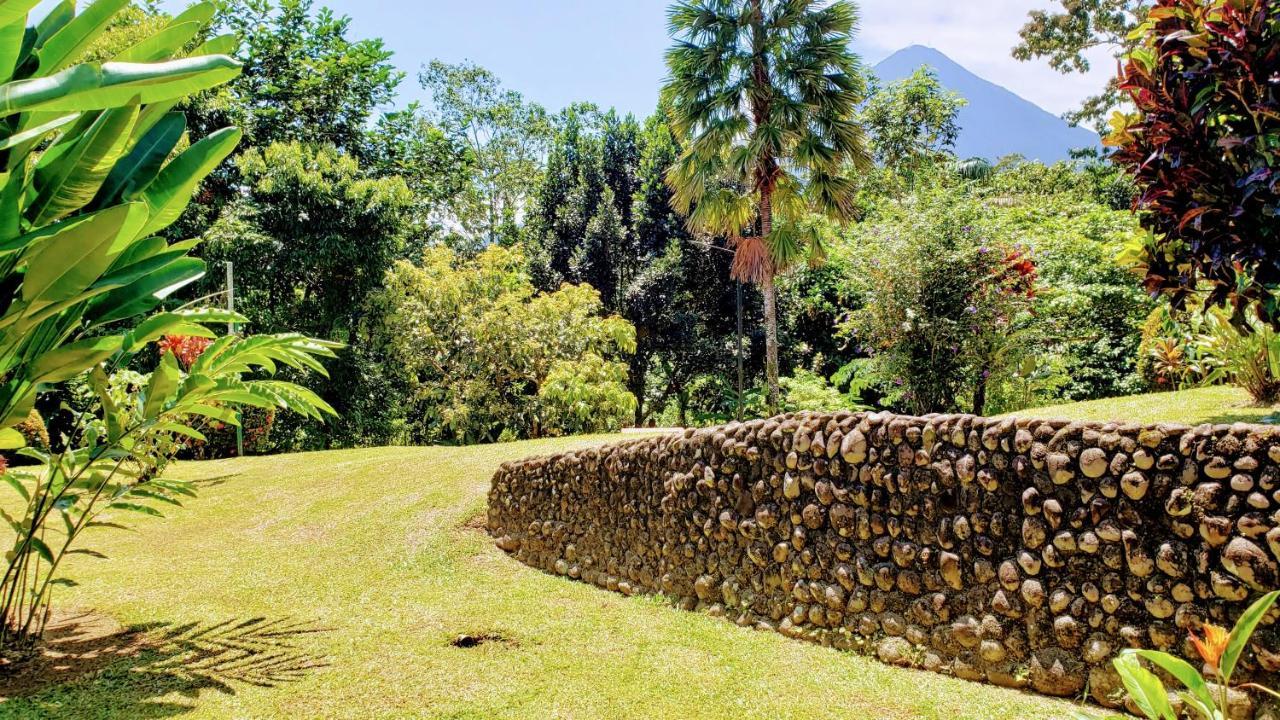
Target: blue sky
[[610, 51]]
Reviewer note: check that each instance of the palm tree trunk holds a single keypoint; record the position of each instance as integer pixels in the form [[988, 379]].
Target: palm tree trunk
[[770, 308]]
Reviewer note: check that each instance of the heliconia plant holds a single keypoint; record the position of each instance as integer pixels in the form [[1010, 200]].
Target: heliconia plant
[[1220, 649], [93, 166]]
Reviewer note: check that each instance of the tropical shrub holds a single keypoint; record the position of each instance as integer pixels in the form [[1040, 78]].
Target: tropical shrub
[[947, 303], [93, 164], [1089, 309], [586, 396], [475, 345], [1221, 652], [1201, 144], [1248, 358]]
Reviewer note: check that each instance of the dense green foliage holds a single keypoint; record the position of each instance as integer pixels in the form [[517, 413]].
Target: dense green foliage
[[484, 356], [913, 122], [343, 219]]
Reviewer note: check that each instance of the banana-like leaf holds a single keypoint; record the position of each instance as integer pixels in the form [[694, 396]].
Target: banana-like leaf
[[15, 11], [1243, 630], [94, 87], [75, 254], [176, 323], [147, 292], [1184, 673], [68, 44], [221, 45], [73, 180], [35, 134], [164, 383], [11, 34], [136, 170], [168, 195], [1144, 687], [170, 39], [72, 360], [56, 19]]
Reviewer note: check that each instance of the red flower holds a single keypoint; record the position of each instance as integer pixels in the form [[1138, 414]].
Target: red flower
[[186, 348]]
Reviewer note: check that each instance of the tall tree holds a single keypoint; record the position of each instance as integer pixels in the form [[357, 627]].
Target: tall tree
[[912, 122], [763, 94], [304, 79], [1065, 37], [436, 167], [507, 137]]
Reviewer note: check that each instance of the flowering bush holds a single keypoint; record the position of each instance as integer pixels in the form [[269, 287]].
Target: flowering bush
[[948, 297]]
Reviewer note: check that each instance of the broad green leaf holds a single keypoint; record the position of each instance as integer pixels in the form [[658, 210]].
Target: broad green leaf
[[11, 439], [36, 545], [134, 507], [68, 44], [199, 13], [164, 382], [73, 180], [137, 169], [147, 292], [35, 133], [1144, 687], [11, 34], [1243, 630], [75, 253], [169, 194], [71, 360], [1183, 672], [95, 87], [220, 45], [16, 11], [161, 45], [161, 324], [53, 21]]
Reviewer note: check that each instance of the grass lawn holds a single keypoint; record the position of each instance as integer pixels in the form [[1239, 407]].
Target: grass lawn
[[333, 585], [1216, 405]]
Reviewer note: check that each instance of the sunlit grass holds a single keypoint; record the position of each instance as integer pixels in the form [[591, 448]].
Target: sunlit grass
[[1215, 405], [373, 549]]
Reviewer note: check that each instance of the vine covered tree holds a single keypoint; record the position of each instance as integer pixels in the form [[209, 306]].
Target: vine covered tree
[[763, 95]]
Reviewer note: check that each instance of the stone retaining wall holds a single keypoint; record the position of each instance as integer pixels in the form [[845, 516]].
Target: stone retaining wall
[[1020, 552]]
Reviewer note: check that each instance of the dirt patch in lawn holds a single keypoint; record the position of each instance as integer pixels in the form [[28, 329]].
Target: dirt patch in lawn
[[466, 641], [478, 522], [75, 644]]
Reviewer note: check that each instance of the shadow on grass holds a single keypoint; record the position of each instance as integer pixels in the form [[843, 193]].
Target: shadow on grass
[[84, 672]]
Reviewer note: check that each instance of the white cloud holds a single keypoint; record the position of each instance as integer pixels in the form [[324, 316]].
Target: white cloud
[[980, 35]]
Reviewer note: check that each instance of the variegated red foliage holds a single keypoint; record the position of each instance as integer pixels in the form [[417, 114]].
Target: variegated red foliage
[[1204, 146]]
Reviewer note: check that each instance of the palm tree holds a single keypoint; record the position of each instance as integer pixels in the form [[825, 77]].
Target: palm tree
[[762, 94]]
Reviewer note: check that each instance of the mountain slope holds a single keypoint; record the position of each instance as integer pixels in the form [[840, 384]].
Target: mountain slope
[[996, 122]]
